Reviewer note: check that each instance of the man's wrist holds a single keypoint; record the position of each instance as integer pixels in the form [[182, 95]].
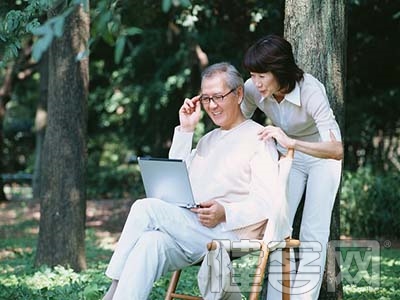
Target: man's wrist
[[292, 144], [186, 128]]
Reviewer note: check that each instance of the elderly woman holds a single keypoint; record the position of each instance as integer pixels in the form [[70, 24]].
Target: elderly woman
[[302, 119]]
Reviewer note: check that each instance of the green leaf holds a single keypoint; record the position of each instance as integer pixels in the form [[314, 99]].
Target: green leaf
[[14, 50], [166, 5], [32, 25], [119, 48], [103, 21], [41, 30], [185, 3], [58, 26], [12, 20], [132, 31], [41, 45]]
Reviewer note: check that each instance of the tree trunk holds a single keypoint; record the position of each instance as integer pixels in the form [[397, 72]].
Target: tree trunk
[[317, 31], [63, 168]]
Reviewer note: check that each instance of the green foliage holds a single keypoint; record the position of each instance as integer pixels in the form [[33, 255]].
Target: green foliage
[[24, 22], [51, 29], [369, 205], [143, 64], [19, 279], [371, 122], [107, 26], [134, 105], [17, 125], [388, 279], [166, 4], [18, 24]]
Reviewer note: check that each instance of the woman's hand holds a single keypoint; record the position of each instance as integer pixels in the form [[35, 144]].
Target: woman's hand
[[332, 149], [189, 114], [278, 134], [210, 214]]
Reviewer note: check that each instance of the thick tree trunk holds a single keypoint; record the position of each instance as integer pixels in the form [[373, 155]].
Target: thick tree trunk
[[317, 31], [62, 183]]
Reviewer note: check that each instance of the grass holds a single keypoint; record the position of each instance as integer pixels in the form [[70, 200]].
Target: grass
[[19, 279]]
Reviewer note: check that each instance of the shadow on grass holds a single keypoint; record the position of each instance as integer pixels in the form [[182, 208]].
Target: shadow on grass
[[19, 279]]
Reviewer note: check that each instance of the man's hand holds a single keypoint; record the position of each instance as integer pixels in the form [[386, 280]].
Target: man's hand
[[210, 214], [190, 113]]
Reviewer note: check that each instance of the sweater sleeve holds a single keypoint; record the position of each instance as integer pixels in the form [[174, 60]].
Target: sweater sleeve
[[263, 199], [181, 147]]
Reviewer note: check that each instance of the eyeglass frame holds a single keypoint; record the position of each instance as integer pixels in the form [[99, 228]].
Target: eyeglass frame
[[211, 98]]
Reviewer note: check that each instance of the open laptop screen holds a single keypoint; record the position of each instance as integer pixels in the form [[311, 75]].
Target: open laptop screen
[[167, 179]]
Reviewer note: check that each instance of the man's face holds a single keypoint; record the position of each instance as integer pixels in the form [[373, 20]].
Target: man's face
[[226, 112]]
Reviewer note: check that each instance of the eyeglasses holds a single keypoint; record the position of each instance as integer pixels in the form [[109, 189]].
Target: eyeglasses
[[216, 98]]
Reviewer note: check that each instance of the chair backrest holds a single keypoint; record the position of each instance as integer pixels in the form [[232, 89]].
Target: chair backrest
[[279, 228]]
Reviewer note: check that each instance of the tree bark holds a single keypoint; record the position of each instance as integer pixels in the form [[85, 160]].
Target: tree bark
[[317, 31], [63, 163]]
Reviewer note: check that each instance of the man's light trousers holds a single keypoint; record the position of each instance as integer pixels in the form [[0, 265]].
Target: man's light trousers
[[157, 237]]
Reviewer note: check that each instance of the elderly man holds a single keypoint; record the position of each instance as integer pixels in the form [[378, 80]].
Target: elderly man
[[234, 177]]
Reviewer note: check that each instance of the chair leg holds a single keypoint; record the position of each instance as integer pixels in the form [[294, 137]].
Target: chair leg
[[173, 284], [259, 273], [286, 274], [259, 277], [171, 292]]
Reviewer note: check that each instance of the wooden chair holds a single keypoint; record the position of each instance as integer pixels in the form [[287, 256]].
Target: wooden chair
[[265, 250], [259, 271]]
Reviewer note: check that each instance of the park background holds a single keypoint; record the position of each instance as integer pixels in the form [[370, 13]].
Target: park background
[[145, 58]]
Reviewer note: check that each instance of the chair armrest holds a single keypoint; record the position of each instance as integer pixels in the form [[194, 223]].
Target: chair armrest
[[242, 245], [287, 243]]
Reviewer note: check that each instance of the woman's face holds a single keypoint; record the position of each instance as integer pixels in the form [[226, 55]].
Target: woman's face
[[266, 83]]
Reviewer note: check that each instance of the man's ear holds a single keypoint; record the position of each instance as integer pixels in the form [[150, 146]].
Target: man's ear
[[240, 93]]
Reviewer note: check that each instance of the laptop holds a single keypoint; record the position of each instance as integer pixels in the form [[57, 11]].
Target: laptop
[[168, 180]]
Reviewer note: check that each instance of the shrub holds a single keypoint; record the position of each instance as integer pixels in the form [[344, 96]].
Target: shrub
[[370, 204]]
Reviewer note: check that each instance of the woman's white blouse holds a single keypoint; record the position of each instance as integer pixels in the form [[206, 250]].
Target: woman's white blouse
[[303, 114]]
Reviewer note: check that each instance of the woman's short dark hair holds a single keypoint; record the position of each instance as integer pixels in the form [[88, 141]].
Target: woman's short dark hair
[[274, 54]]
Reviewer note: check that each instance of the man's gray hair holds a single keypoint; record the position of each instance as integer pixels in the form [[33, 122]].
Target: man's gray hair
[[233, 78]]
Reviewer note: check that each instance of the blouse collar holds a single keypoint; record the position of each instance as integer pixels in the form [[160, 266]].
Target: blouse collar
[[293, 97]]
